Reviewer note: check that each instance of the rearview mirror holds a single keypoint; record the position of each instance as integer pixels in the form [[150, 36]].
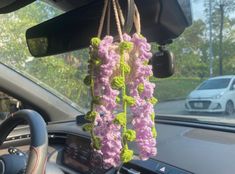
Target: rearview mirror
[[7, 6], [162, 21]]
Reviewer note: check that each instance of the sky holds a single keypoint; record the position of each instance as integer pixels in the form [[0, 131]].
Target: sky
[[198, 9]]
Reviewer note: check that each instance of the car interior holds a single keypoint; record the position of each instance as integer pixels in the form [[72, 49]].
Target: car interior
[[41, 130]]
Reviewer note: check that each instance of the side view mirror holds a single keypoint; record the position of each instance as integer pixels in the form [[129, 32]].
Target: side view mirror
[[233, 87]]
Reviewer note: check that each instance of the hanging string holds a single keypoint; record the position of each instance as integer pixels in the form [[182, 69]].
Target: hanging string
[[118, 24], [120, 13], [137, 20], [102, 18], [108, 17], [119, 18]]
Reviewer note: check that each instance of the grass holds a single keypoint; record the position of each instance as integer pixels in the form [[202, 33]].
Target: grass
[[174, 88]]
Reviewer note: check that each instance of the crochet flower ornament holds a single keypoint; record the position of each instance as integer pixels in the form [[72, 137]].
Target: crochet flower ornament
[[119, 79]]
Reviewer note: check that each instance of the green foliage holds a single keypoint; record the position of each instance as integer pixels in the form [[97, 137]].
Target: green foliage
[[174, 88], [190, 53], [12, 31], [59, 75], [63, 73]]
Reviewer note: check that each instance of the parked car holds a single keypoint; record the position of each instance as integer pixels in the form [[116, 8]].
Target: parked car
[[216, 94]]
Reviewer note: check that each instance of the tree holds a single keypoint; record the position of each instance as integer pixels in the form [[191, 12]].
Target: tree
[[13, 27], [59, 75], [63, 73], [189, 51], [221, 10]]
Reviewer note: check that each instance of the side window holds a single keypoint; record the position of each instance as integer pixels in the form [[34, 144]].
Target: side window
[[8, 105], [232, 85]]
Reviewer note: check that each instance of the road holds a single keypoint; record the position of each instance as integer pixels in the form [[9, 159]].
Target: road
[[171, 107], [174, 108]]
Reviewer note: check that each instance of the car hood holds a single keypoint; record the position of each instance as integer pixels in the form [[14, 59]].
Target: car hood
[[200, 94]]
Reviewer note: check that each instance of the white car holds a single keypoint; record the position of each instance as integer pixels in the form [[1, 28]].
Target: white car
[[216, 94]]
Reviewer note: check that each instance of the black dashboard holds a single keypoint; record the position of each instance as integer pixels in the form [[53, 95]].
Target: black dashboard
[[79, 156], [181, 150]]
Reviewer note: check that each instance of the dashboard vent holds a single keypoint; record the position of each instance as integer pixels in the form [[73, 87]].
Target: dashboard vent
[[57, 135], [27, 136], [127, 170], [19, 137], [57, 138]]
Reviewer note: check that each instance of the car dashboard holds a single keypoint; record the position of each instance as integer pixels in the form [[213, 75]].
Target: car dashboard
[[181, 150]]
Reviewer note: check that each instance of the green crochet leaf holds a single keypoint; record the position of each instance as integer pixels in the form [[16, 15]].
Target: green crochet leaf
[[87, 80], [140, 87], [154, 132], [90, 116], [118, 99], [96, 61], [129, 100], [95, 41], [120, 119], [96, 100], [130, 135], [96, 142], [117, 82], [126, 155], [152, 116], [126, 46], [146, 62], [127, 68], [87, 127], [153, 100]]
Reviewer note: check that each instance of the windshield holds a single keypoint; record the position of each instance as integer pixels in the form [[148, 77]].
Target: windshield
[[204, 50], [61, 74], [214, 84]]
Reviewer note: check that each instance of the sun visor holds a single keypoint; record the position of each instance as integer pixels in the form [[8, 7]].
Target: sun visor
[[162, 21]]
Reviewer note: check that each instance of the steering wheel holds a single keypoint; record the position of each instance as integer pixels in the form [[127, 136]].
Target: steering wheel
[[15, 164]]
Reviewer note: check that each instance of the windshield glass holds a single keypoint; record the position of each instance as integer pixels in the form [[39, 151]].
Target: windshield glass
[[204, 50], [214, 84], [60, 74]]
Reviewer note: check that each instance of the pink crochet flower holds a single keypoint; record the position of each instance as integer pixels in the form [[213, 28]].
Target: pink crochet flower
[[121, 64], [109, 132], [143, 109]]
